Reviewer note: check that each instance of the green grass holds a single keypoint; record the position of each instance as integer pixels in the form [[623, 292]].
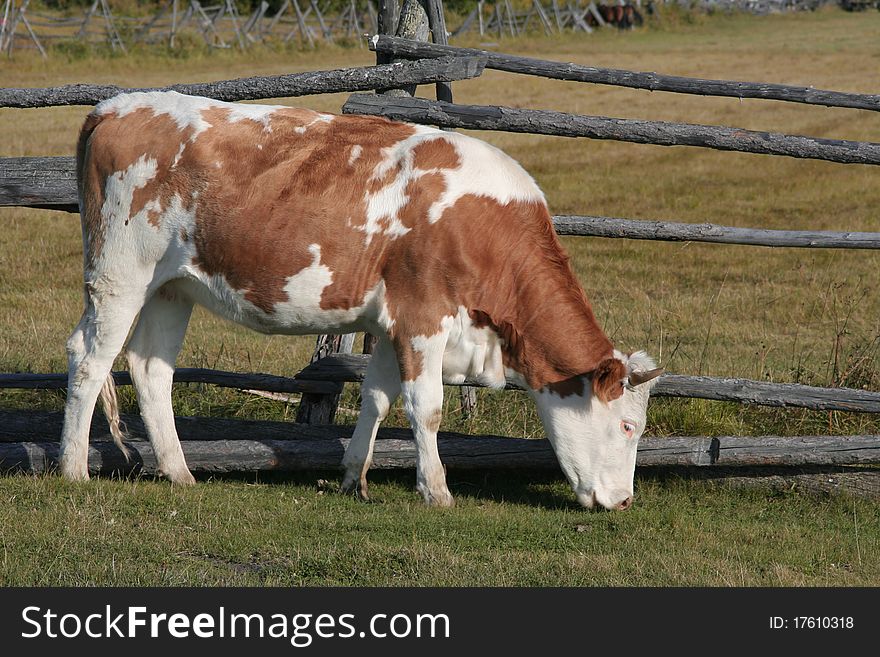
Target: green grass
[[791, 315], [507, 529]]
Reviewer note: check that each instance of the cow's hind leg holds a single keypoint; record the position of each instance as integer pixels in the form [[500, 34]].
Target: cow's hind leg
[[422, 387], [91, 349], [380, 389], [152, 352]]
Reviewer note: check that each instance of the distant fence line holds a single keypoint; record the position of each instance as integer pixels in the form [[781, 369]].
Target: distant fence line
[[307, 22]]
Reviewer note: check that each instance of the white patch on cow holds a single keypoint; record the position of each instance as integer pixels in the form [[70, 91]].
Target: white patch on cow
[[355, 154], [484, 171], [259, 147], [423, 403], [384, 205], [179, 154], [472, 353], [120, 187], [186, 111], [383, 208]]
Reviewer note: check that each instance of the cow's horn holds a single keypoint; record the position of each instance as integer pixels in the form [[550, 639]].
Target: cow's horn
[[638, 378]]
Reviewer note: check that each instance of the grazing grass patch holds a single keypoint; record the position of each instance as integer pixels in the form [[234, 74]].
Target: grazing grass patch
[[508, 529]]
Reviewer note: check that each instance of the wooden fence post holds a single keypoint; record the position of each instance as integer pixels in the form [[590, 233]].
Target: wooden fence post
[[437, 25], [321, 408], [389, 13]]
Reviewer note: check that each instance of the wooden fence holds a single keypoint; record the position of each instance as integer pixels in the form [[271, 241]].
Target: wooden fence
[[28, 441]]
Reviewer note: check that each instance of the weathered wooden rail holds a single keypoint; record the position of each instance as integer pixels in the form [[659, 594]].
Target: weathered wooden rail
[[391, 46], [660, 133], [29, 441], [50, 183], [364, 78], [325, 376]]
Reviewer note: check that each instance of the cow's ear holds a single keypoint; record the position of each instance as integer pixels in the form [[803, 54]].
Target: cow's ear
[[608, 379]]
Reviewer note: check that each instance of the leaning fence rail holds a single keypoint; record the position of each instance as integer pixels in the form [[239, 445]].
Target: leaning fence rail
[[660, 133], [407, 48], [276, 86]]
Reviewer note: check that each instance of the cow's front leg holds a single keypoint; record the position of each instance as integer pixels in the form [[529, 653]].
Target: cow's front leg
[[380, 389], [421, 367]]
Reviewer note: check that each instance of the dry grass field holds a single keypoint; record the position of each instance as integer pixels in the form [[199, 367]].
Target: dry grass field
[[787, 315]]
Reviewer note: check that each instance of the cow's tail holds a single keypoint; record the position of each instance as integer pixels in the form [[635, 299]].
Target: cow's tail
[[92, 121], [110, 403], [109, 399]]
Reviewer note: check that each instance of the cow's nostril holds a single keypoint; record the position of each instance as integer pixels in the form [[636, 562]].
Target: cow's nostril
[[623, 506]]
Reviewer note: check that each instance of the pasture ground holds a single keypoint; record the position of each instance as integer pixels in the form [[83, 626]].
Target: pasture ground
[[809, 316]]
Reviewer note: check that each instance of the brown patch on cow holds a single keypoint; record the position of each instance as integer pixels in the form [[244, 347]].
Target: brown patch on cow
[[409, 360], [91, 193], [257, 219], [184, 236], [436, 153], [572, 386]]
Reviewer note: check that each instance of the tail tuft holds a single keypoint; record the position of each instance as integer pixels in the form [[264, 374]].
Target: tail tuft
[[110, 402]]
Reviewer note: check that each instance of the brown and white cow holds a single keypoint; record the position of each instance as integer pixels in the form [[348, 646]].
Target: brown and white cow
[[291, 221]]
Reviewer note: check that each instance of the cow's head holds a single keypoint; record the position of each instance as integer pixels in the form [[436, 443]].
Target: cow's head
[[594, 424]]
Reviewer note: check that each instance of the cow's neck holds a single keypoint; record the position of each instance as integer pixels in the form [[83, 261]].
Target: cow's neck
[[550, 333]]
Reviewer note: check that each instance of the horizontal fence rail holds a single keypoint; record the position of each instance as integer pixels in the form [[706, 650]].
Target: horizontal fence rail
[[29, 442], [398, 47], [50, 183], [325, 375], [276, 86], [672, 231], [659, 133], [39, 182], [353, 367], [250, 381]]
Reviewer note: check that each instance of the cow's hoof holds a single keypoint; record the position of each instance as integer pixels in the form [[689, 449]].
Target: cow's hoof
[[74, 474], [72, 471], [439, 498], [355, 487], [180, 478]]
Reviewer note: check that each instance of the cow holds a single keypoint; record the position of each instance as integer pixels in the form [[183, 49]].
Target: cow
[[297, 222]]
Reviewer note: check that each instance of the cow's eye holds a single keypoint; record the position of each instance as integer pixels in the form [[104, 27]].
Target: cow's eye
[[628, 428]]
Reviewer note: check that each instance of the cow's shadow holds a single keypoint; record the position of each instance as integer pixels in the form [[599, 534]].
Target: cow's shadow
[[540, 488]]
